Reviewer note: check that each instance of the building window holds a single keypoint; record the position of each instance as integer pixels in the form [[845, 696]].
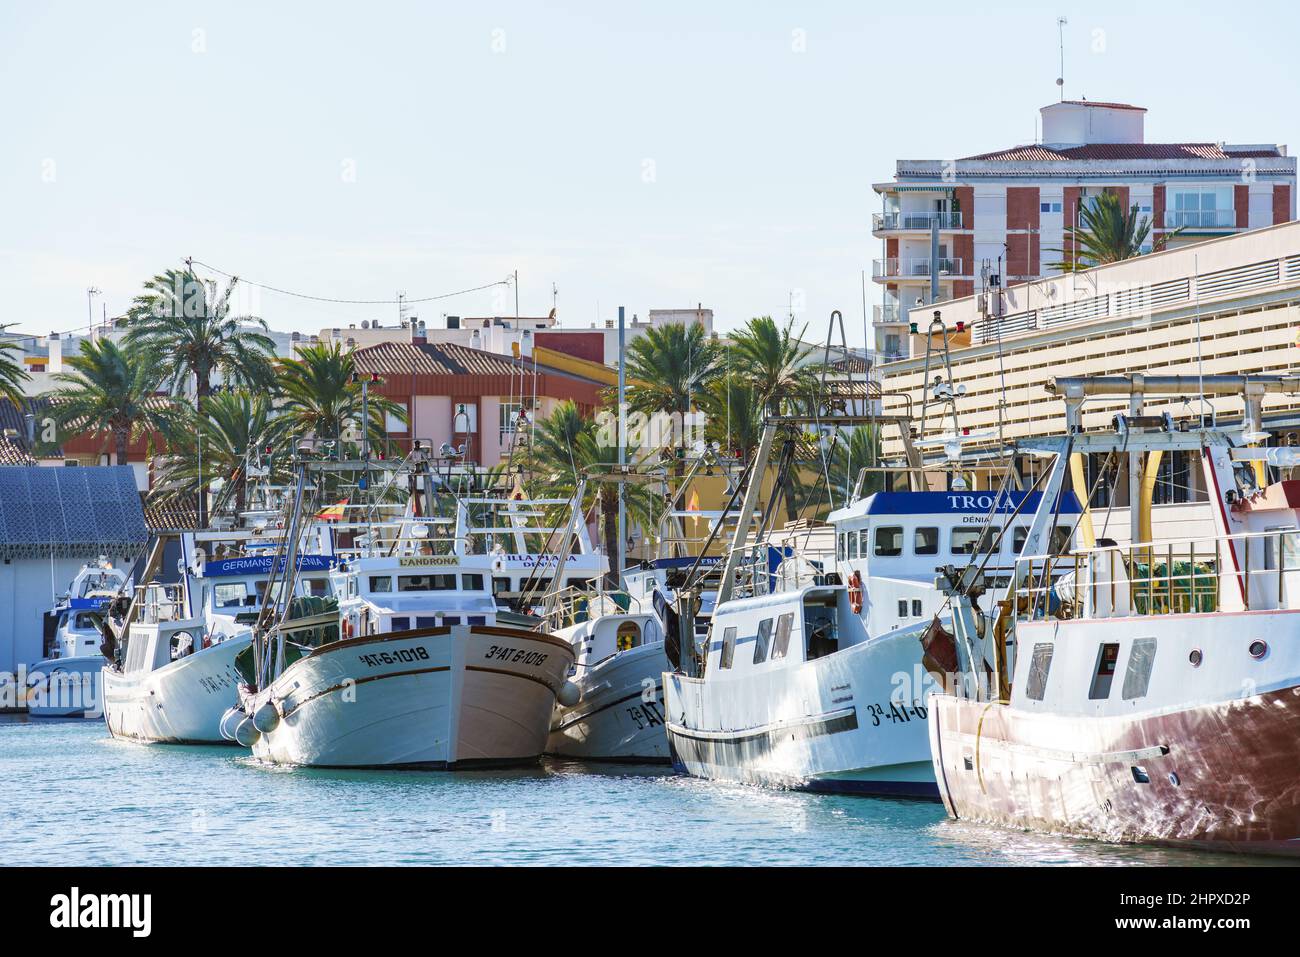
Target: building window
[[1200, 207], [1049, 207], [509, 419]]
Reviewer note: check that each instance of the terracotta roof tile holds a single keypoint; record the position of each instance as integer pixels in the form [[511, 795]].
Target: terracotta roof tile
[[11, 453], [406, 358], [1115, 151]]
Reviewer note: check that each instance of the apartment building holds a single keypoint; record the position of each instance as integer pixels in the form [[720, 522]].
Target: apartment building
[[1002, 216]]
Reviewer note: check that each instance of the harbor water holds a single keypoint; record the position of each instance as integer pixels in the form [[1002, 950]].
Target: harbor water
[[75, 796]]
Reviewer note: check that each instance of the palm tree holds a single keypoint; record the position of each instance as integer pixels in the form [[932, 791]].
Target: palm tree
[[187, 323], [672, 366], [735, 415], [12, 374], [567, 444], [235, 428], [112, 390], [321, 397], [1107, 233], [853, 451], [772, 359]]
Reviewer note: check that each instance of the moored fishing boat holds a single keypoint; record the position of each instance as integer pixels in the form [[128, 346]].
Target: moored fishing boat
[[1154, 695], [812, 673], [620, 660], [413, 668]]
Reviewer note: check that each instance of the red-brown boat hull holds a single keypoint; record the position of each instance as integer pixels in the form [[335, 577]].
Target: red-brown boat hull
[[1223, 776]]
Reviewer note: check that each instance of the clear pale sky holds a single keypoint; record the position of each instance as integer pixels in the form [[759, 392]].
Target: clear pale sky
[[653, 157]]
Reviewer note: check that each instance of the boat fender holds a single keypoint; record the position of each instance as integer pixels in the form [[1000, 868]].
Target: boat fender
[[207, 640], [246, 733], [229, 721], [570, 694], [347, 628], [855, 592], [266, 718]]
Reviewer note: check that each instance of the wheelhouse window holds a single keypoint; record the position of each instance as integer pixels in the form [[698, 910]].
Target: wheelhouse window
[[966, 541], [316, 587], [763, 641], [426, 582], [925, 541], [472, 582], [1019, 535], [728, 653], [381, 583], [889, 541], [230, 595], [499, 585], [853, 545], [782, 644]]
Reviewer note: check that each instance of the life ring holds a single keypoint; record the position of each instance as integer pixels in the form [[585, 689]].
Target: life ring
[[855, 592]]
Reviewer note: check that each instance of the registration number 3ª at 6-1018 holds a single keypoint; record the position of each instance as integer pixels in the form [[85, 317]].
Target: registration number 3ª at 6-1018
[[516, 655]]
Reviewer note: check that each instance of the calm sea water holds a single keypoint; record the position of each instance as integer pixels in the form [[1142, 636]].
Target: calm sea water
[[72, 795]]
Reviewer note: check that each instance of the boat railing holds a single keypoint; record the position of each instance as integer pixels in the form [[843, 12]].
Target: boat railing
[[575, 605], [160, 603], [1247, 571], [765, 569]]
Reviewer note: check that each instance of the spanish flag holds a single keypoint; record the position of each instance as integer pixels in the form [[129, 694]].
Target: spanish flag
[[334, 513], [693, 503]]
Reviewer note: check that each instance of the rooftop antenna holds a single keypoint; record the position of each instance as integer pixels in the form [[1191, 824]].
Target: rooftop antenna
[[1060, 36]]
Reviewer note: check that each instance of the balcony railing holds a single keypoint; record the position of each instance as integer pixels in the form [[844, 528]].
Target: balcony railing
[[913, 268], [889, 312], [1200, 218], [923, 219]]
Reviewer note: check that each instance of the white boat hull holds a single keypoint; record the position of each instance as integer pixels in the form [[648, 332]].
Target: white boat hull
[[836, 723], [620, 714], [440, 698], [65, 687], [181, 702]]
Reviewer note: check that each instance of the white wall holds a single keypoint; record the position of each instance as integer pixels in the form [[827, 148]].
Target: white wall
[[25, 596]]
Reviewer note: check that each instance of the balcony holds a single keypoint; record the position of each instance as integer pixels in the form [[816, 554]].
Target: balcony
[[921, 219], [889, 313], [1200, 218], [915, 268]]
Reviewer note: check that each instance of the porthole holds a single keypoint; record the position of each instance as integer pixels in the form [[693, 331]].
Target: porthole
[[1173, 778], [1195, 657], [1258, 648]]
